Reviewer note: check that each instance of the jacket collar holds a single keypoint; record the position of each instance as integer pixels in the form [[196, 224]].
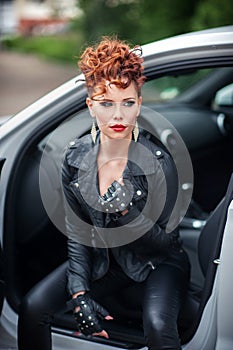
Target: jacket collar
[[83, 153]]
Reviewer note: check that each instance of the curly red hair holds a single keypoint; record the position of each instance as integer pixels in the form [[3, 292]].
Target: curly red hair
[[111, 60]]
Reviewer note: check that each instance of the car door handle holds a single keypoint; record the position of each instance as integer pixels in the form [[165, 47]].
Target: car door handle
[[217, 261]]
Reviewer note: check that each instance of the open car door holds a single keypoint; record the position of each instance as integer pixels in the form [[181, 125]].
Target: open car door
[[1, 256], [1, 280]]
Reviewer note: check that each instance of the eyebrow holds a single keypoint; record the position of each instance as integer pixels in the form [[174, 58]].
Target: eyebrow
[[125, 99]]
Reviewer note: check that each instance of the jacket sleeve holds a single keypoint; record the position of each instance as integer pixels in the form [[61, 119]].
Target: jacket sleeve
[[78, 273], [79, 255], [156, 236]]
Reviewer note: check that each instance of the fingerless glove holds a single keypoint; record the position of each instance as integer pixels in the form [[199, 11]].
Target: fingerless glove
[[117, 198], [90, 314]]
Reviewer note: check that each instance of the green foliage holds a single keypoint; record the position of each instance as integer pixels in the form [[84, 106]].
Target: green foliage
[[142, 21], [109, 17], [160, 19], [60, 47], [137, 21], [212, 13]]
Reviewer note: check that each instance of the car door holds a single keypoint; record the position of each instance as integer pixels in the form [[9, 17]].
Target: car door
[[1, 280], [1, 258], [224, 310]]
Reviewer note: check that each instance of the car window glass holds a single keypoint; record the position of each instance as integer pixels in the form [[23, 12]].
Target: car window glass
[[171, 86]]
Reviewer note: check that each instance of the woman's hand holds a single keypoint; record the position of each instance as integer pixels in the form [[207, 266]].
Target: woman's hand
[[88, 314], [118, 197], [103, 333]]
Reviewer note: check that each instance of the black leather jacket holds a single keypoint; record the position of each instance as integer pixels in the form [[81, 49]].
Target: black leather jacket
[[144, 236]]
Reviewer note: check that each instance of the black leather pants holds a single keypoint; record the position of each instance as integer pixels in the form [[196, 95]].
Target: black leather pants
[[159, 298]]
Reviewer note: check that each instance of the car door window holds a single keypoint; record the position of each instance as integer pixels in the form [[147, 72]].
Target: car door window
[[171, 86]]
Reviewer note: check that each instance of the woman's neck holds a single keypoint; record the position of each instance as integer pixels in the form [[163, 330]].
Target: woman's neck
[[112, 160], [113, 149]]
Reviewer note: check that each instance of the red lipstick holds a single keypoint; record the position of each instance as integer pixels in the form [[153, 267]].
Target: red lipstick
[[118, 127]]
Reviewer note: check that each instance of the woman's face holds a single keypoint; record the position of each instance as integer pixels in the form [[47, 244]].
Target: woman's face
[[116, 111]]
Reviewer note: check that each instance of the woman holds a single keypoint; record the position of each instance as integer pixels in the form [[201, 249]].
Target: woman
[[119, 192]]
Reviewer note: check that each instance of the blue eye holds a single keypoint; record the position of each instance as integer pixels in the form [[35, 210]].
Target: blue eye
[[129, 103], [106, 104]]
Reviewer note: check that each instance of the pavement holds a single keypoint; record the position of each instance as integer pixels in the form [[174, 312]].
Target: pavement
[[24, 78]]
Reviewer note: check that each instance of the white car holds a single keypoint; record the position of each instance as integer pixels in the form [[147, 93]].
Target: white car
[[189, 85]]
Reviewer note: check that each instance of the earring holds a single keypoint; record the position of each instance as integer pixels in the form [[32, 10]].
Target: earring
[[93, 132], [136, 131]]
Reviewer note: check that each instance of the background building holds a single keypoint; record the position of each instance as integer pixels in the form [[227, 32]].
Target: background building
[[36, 16]]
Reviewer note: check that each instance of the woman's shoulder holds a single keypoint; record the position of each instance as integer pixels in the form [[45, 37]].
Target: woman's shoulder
[[80, 142], [78, 148], [153, 144], [163, 158], [160, 152]]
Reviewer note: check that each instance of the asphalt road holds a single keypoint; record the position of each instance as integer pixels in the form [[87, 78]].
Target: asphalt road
[[24, 78]]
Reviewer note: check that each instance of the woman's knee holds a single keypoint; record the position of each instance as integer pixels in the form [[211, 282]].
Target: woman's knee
[[161, 332], [34, 308], [46, 297]]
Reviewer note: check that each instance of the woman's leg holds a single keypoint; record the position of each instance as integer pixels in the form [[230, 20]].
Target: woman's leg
[[48, 296], [37, 309], [164, 292]]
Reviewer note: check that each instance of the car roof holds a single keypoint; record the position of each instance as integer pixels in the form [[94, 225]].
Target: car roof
[[201, 38]]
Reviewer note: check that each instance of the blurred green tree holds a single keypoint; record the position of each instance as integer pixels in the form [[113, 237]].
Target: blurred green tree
[[139, 21], [212, 13], [109, 17], [160, 19]]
